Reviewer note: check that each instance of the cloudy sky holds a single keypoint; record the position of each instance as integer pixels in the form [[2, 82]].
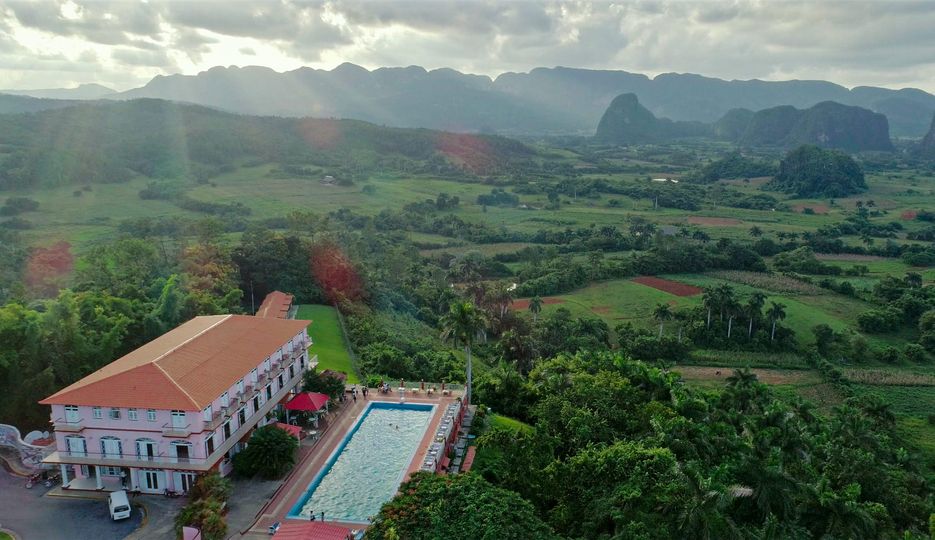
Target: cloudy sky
[[122, 44]]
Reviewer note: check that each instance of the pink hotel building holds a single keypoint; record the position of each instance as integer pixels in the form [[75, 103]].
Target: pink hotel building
[[181, 405]]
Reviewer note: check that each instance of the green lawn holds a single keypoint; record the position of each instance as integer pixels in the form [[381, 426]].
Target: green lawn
[[500, 421], [328, 339]]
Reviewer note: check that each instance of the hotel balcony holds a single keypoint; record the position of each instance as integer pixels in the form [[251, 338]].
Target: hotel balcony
[[75, 426], [176, 432]]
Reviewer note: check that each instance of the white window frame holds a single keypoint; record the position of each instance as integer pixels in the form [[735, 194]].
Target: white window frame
[[240, 386], [133, 415], [253, 376], [225, 400], [151, 415], [207, 413], [114, 413], [97, 413]]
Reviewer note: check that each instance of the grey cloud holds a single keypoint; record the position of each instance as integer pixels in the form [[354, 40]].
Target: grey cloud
[[135, 57]]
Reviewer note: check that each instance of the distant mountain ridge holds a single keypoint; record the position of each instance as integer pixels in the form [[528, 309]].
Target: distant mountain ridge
[[88, 91], [544, 100], [556, 100]]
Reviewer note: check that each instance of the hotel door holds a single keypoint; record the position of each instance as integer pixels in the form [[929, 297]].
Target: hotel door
[[152, 481]]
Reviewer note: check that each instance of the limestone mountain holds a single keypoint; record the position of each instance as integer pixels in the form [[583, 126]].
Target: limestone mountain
[[927, 148], [827, 124], [627, 122]]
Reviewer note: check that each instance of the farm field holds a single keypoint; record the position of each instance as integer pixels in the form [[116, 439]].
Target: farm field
[[328, 339], [615, 301]]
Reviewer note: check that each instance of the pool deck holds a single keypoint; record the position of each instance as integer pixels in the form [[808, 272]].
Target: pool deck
[[312, 458]]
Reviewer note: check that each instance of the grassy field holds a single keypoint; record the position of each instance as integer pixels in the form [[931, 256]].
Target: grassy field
[[328, 339]]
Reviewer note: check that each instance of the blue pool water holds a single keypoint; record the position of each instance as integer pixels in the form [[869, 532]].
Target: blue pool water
[[366, 469]]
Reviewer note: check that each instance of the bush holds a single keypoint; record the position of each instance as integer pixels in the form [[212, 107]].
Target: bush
[[914, 352], [878, 321], [211, 486], [205, 515], [18, 205]]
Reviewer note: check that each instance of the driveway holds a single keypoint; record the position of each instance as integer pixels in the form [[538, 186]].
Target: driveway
[[32, 516]]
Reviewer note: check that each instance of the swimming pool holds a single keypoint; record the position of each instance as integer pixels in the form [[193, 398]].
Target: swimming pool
[[365, 470]]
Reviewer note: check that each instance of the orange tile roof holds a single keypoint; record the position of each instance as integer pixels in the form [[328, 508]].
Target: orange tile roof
[[276, 304], [186, 368]]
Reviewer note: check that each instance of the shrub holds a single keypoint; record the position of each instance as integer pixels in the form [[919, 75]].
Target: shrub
[[914, 352], [205, 515], [211, 486]]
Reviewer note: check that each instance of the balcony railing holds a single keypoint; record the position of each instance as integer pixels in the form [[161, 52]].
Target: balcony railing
[[170, 430], [128, 460], [71, 426]]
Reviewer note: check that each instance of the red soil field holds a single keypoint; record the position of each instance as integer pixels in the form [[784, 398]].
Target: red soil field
[[548, 300], [909, 215], [671, 287], [701, 220]]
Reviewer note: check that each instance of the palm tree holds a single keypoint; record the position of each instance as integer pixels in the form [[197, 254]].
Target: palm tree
[[462, 325], [776, 312], [662, 313], [753, 307], [756, 232], [732, 308], [535, 306], [709, 301]]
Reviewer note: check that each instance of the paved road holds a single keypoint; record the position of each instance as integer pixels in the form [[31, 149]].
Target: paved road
[[32, 516]]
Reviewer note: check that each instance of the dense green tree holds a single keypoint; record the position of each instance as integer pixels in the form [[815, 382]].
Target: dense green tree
[[431, 506], [269, 454]]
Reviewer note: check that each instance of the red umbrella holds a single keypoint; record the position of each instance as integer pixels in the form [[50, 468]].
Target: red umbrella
[[308, 401]]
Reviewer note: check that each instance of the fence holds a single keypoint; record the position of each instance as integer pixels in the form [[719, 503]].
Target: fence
[[30, 455]]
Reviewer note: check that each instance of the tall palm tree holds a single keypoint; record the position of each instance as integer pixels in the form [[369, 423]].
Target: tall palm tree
[[776, 312], [753, 307], [709, 301], [662, 313], [756, 232], [462, 325], [732, 308], [535, 306]]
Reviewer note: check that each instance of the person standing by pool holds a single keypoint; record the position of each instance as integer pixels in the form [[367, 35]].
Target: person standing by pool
[[354, 395]]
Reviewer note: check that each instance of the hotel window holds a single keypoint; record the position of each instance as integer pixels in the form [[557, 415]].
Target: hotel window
[[269, 391], [96, 413], [114, 413], [227, 430], [302, 360], [209, 445], [242, 416], [253, 376], [225, 399], [266, 365], [256, 403], [240, 386], [291, 371], [151, 415], [281, 382], [132, 415], [207, 413]]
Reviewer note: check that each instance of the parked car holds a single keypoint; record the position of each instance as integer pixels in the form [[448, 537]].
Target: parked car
[[119, 505]]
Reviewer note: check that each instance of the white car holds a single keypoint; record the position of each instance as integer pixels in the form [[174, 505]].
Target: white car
[[119, 505]]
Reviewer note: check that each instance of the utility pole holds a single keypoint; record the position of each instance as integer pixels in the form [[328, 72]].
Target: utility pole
[[252, 303]]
